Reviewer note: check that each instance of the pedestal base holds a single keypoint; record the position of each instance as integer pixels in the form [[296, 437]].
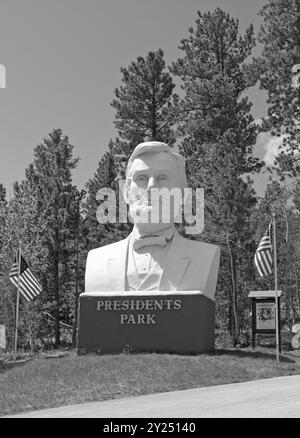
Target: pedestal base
[[156, 321]]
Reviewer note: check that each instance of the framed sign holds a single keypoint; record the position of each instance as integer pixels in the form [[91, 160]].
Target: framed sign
[[265, 315]]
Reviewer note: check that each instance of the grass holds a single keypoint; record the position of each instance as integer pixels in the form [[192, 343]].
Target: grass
[[69, 379]]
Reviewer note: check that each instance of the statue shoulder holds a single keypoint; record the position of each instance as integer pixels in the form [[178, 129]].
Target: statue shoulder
[[106, 250], [201, 247]]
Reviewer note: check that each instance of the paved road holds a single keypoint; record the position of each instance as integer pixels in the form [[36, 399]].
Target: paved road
[[276, 397]]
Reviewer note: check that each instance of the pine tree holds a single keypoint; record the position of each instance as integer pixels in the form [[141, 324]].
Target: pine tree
[[2, 193], [51, 176], [21, 221], [280, 36], [144, 100], [76, 262], [2, 219], [144, 105], [218, 137]]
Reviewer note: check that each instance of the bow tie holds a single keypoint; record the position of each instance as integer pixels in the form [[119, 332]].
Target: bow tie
[[161, 240]]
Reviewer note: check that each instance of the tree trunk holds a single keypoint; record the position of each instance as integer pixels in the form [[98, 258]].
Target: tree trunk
[[153, 121], [230, 315], [234, 293], [289, 298], [74, 335], [297, 293], [56, 286], [297, 290]]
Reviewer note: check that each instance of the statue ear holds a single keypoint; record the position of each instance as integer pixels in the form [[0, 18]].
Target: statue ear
[[125, 192]]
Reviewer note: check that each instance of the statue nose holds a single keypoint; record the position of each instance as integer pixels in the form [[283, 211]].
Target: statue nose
[[151, 183]]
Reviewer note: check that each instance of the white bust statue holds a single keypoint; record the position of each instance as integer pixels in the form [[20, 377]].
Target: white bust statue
[[154, 256]]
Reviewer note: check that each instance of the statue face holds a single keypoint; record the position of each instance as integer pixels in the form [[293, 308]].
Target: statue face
[[154, 170], [151, 171]]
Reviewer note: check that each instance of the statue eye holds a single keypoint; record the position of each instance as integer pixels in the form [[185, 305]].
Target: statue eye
[[142, 178], [162, 177]]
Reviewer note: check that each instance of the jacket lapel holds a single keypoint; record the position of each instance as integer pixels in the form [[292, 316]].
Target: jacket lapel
[[175, 266]]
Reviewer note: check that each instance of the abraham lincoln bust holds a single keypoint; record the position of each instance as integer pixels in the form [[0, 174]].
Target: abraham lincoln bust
[[154, 256]]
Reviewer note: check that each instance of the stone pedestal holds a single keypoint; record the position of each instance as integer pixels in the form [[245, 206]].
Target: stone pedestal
[[154, 321]]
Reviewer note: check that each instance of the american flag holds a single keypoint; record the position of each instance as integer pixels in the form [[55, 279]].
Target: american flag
[[29, 286], [263, 256]]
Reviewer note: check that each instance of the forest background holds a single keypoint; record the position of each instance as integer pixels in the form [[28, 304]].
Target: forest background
[[199, 105]]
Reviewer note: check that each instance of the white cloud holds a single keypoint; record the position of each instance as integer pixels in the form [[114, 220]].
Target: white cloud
[[267, 147]]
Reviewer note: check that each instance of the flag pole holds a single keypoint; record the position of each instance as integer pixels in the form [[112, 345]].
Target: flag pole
[[18, 298], [276, 288]]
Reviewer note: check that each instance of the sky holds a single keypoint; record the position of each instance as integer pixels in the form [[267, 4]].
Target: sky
[[63, 60]]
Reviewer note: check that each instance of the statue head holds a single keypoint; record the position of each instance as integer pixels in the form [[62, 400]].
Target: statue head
[[154, 172]]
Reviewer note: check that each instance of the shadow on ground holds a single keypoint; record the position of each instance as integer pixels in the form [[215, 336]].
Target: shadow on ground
[[253, 354], [7, 364]]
